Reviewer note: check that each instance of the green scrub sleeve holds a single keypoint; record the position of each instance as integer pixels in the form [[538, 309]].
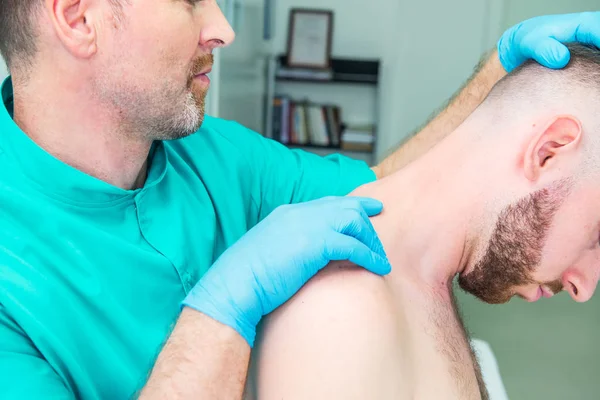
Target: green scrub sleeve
[[282, 175]]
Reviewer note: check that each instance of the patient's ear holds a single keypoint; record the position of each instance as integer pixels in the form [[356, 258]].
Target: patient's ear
[[558, 138]]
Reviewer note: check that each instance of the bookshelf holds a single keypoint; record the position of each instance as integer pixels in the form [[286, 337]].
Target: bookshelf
[[324, 112]]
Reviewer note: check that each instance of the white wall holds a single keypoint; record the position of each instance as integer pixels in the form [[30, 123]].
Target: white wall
[[518, 10], [361, 29], [440, 42]]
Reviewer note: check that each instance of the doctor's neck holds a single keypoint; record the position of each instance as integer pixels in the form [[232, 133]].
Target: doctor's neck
[[63, 117]]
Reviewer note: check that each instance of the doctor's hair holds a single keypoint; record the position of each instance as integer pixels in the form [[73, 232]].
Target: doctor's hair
[[19, 30]]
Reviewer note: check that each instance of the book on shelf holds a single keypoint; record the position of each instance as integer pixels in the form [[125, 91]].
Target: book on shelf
[[306, 123], [358, 137]]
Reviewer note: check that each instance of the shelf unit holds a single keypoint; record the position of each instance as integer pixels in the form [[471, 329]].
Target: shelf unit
[[344, 72]]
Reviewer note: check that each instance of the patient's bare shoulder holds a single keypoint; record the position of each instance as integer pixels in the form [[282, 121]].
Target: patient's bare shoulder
[[338, 338]]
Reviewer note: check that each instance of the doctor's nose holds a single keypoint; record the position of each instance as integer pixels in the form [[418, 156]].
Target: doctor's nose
[[216, 30]]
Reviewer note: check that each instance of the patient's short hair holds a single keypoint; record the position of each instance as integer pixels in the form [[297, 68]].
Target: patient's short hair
[[535, 84]]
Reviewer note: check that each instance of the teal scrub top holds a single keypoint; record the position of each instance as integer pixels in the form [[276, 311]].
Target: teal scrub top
[[92, 276]]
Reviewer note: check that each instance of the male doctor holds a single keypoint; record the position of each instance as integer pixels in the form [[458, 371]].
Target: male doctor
[[142, 242]]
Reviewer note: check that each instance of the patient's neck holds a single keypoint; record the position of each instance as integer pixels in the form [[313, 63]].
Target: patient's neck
[[429, 210]]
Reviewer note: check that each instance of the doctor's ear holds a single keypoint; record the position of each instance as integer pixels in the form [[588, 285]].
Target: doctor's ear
[[558, 138], [74, 24]]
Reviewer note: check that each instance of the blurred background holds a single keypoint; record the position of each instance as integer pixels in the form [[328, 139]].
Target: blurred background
[[396, 62], [546, 350]]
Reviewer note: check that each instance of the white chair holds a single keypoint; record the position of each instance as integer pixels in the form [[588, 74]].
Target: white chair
[[489, 369]]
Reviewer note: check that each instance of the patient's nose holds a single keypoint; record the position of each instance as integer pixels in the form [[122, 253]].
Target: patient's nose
[[580, 286]]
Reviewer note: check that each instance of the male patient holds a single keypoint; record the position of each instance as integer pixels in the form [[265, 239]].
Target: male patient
[[509, 202]]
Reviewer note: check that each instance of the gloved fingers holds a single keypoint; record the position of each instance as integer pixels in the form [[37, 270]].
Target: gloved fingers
[[548, 52], [356, 223], [509, 57], [342, 247], [589, 29], [367, 204]]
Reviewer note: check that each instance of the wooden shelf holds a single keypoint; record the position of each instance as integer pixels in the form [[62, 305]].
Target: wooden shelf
[[343, 70], [355, 73], [326, 81]]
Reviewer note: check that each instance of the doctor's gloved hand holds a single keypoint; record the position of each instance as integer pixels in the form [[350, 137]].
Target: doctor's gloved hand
[[542, 38], [271, 262]]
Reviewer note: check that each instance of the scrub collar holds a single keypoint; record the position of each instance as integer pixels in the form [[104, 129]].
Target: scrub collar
[[57, 178]]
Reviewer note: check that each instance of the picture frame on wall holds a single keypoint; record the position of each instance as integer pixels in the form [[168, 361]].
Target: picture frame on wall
[[310, 34]]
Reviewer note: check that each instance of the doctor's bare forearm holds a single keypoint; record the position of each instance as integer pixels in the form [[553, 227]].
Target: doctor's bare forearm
[[202, 359], [487, 73]]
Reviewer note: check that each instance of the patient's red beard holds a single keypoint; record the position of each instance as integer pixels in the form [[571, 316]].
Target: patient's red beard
[[515, 248]]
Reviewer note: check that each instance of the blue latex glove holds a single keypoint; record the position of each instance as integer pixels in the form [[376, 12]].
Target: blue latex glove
[[541, 39], [269, 264]]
